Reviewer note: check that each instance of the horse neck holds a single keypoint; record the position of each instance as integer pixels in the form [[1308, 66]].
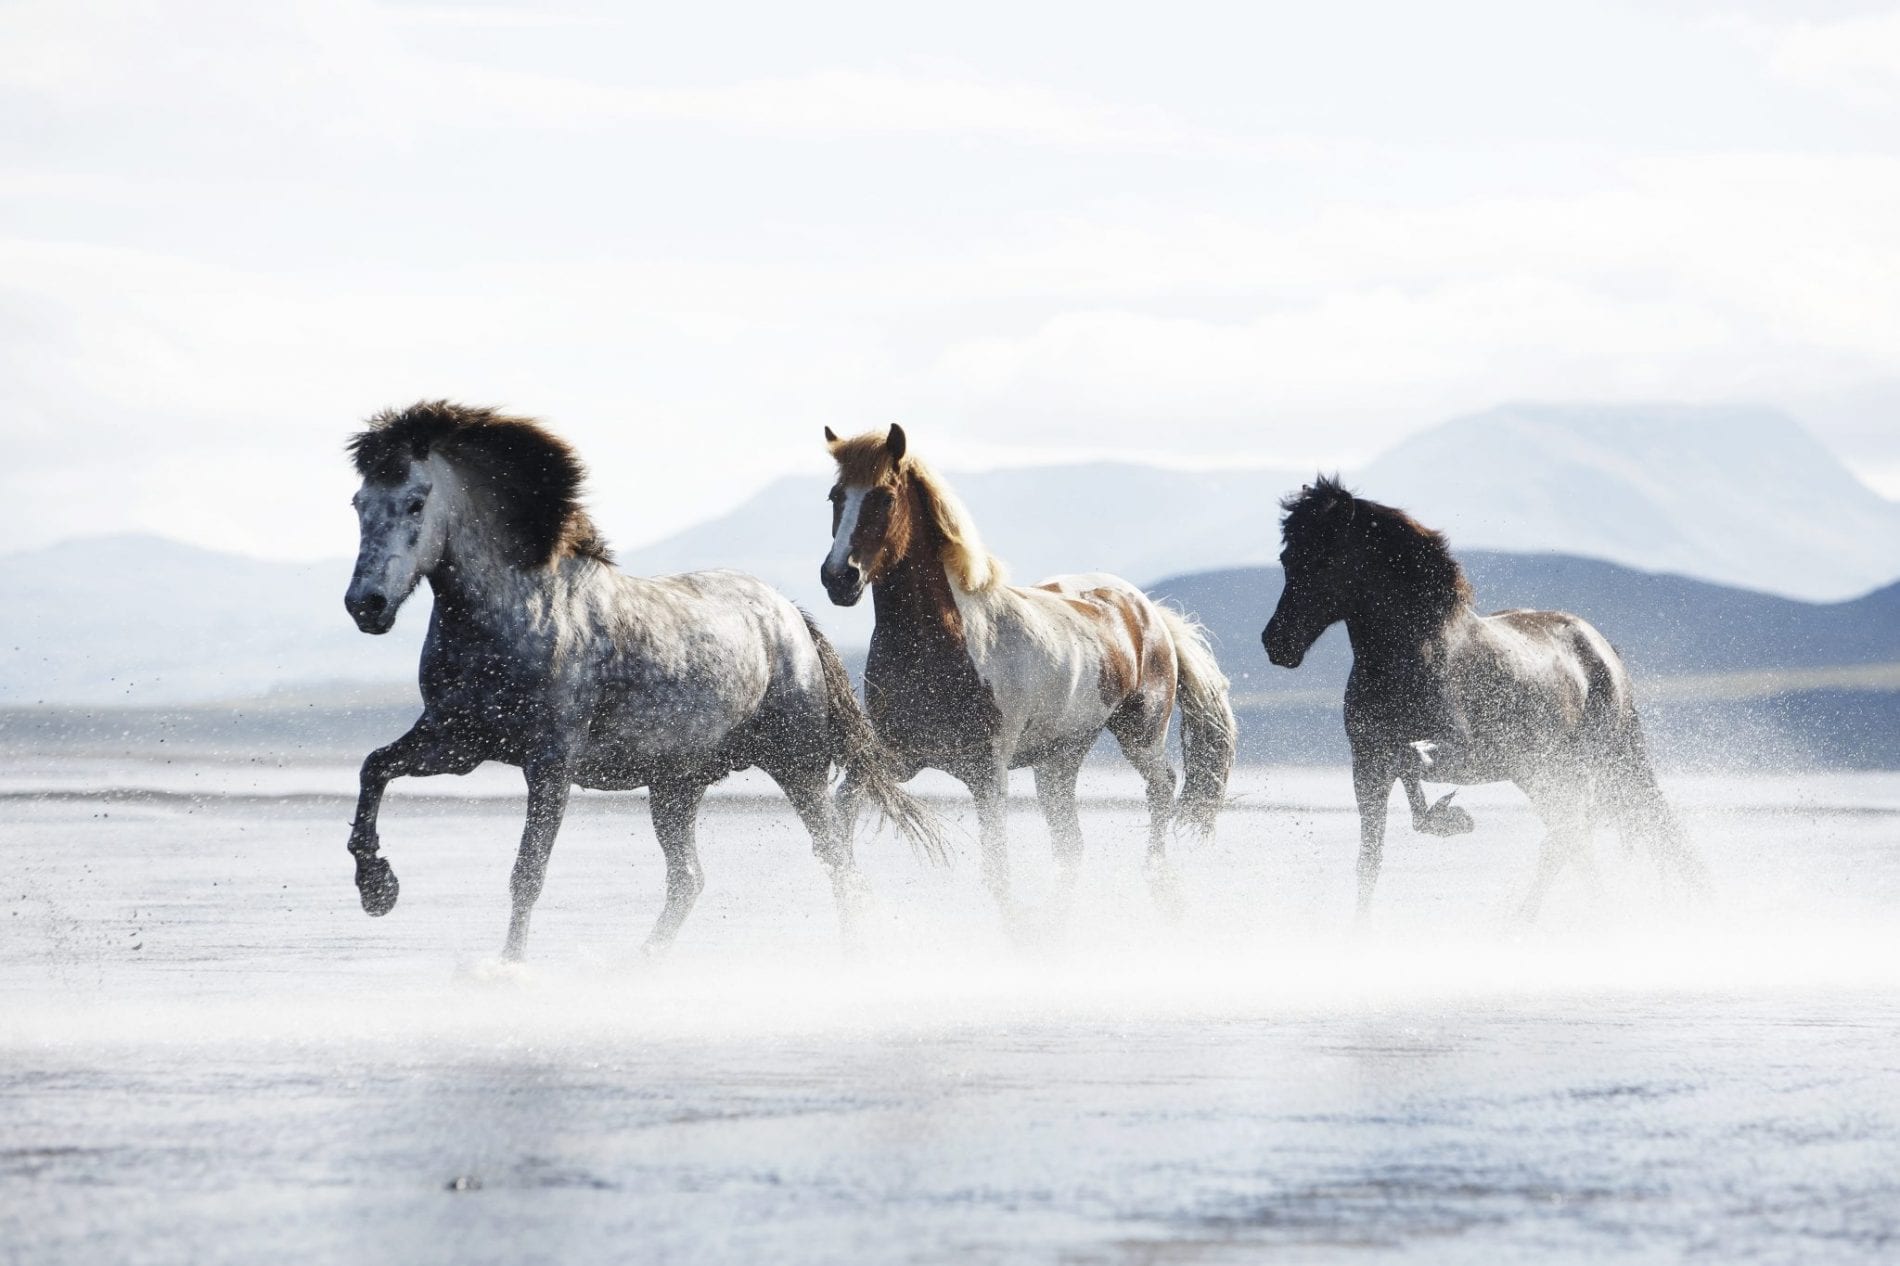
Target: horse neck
[[1399, 630], [916, 594], [475, 582]]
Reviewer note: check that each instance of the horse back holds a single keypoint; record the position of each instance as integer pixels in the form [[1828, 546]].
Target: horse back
[[1565, 657]]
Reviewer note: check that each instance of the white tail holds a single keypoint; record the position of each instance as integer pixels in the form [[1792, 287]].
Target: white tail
[[1209, 732]]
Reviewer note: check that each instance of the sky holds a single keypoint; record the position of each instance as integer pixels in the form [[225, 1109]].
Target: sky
[[691, 236]]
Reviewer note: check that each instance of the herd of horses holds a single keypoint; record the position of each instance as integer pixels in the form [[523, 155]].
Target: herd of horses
[[543, 655]]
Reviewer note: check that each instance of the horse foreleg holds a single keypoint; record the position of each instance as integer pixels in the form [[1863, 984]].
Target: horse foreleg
[[1055, 791], [990, 787], [548, 786], [675, 808], [419, 752], [1372, 788], [1442, 817]]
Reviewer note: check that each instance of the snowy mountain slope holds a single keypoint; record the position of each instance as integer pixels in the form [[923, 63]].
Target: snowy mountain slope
[[1736, 495]]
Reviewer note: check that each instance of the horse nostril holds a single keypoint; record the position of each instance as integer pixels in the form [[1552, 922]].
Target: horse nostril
[[374, 603]]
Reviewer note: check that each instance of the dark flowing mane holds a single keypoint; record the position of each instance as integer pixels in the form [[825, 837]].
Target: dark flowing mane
[[1414, 554], [530, 478]]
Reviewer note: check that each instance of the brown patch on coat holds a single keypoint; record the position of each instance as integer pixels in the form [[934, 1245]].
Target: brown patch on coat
[[1137, 657]]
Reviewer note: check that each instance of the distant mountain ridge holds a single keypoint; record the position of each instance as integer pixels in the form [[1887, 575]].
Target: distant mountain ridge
[[140, 619], [1744, 497]]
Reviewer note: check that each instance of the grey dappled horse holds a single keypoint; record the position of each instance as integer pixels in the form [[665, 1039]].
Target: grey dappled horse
[[542, 654], [1440, 693]]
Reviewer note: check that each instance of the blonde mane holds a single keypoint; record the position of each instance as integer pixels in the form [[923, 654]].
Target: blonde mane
[[865, 461], [971, 567]]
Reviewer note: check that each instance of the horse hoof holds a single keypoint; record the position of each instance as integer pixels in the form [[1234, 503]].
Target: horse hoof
[[1164, 886], [1445, 818], [376, 884]]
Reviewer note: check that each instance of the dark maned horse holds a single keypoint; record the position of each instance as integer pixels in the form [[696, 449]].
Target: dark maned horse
[[1440, 693], [542, 654], [974, 676]]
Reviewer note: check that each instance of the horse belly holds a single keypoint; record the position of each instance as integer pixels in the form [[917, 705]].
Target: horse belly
[[635, 734], [1053, 712]]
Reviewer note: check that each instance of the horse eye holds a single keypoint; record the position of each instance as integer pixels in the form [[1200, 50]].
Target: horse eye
[[415, 507]]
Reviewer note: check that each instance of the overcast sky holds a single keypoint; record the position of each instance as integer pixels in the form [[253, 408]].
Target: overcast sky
[[693, 234]]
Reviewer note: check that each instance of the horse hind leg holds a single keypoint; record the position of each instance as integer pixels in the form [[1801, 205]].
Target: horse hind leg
[[548, 788], [675, 809], [1561, 802], [831, 843], [1147, 750]]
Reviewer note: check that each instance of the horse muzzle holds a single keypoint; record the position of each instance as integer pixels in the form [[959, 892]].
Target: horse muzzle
[[845, 586], [1279, 653], [371, 611]]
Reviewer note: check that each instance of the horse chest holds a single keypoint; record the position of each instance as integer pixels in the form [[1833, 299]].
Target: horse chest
[[926, 697]]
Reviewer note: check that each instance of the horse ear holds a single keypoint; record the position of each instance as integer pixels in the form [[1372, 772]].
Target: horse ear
[[831, 437], [896, 443]]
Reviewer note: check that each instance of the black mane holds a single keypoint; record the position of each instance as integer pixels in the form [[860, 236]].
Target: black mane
[[530, 477], [1413, 553]]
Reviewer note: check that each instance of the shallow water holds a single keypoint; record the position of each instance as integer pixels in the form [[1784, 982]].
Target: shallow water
[[209, 1054]]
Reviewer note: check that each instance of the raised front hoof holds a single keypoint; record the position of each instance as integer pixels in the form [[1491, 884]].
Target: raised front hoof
[[1444, 818], [376, 884]]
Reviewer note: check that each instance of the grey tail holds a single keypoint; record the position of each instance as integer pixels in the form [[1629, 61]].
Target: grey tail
[[857, 749]]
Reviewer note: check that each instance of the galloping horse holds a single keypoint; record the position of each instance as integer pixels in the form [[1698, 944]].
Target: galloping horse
[[975, 677], [541, 654], [1441, 693]]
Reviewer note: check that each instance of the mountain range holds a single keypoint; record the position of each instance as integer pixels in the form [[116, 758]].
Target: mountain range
[[144, 620], [1743, 497]]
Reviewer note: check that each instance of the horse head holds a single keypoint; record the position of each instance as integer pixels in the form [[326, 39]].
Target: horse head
[[402, 516], [871, 517], [1315, 535]]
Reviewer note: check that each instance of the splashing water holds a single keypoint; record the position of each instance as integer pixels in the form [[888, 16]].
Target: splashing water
[[206, 1042]]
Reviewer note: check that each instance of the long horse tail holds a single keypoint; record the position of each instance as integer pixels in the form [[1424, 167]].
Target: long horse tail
[[1626, 786], [863, 756], [1209, 733]]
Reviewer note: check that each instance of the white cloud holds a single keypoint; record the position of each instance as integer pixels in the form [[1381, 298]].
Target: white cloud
[[227, 231], [1855, 57]]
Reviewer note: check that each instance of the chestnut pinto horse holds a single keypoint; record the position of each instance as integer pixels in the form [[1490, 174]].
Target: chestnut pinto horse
[[1441, 693], [975, 677], [544, 655]]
